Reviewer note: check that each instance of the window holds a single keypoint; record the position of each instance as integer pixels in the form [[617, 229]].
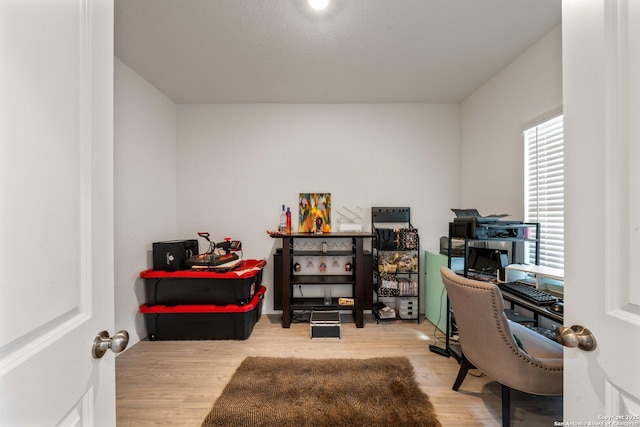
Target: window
[[544, 189]]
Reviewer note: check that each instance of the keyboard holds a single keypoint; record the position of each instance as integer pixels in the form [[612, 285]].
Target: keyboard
[[528, 293]]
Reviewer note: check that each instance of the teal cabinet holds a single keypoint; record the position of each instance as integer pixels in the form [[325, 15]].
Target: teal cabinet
[[436, 296]]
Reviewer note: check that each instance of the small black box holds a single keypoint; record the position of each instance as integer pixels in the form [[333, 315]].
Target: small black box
[[171, 255], [325, 324]]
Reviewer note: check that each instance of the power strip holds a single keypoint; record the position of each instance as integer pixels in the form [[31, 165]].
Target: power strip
[[440, 351]]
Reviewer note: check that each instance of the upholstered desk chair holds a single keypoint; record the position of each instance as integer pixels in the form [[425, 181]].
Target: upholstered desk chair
[[529, 363]]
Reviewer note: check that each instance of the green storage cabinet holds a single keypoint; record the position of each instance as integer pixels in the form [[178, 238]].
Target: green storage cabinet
[[436, 296]]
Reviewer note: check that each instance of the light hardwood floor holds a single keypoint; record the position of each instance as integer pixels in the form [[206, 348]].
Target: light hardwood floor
[[174, 383]]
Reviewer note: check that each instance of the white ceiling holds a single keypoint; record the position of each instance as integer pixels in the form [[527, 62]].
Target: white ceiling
[[356, 51]]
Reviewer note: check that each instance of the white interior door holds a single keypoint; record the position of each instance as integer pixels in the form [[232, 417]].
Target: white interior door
[[56, 211], [601, 66]]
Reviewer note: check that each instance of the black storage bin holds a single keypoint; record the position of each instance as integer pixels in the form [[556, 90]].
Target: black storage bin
[[204, 287], [203, 322], [171, 255]]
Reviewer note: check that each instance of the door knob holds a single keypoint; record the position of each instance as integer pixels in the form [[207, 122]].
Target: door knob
[[102, 343], [576, 336]]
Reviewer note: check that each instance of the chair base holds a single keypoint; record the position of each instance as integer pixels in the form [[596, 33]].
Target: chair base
[[506, 406], [465, 365]]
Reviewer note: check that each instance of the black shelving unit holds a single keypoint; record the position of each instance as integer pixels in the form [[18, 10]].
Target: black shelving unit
[[465, 233], [396, 259]]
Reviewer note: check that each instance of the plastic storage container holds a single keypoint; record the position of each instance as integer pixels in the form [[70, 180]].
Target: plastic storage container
[[203, 322], [407, 307], [237, 286]]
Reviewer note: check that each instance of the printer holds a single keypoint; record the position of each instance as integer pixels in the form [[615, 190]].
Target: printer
[[469, 224]]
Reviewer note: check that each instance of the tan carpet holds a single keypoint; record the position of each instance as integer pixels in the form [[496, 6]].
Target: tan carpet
[[323, 392]]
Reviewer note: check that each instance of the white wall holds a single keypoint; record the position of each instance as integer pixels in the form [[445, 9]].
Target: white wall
[[237, 164], [145, 187], [492, 122]]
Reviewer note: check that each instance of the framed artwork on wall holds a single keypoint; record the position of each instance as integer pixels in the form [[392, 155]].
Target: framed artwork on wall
[[314, 213]]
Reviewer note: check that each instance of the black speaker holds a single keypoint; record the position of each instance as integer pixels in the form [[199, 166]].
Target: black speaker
[[171, 256]]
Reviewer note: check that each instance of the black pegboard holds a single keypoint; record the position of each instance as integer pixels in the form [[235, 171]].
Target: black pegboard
[[390, 214]]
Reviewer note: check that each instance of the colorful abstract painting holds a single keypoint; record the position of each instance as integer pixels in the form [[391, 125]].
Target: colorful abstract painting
[[315, 213]]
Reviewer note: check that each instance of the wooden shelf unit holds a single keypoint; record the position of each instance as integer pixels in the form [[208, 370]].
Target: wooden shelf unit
[[285, 279]]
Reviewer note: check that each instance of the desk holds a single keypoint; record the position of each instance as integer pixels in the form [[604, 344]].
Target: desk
[[514, 300], [544, 278], [537, 310]]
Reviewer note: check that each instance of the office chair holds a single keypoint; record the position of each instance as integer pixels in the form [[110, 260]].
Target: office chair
[[514, 356]]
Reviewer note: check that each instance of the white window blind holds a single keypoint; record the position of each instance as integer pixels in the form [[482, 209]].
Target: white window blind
[[544, 189]]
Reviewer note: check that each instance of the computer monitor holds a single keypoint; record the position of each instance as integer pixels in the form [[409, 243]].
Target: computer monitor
[[487, 260]]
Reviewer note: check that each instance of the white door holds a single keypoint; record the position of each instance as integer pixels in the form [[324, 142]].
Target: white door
[[601, 67], [56, 212]]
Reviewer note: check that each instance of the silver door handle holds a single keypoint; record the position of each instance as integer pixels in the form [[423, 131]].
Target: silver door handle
[[102, 343], [576, 336]]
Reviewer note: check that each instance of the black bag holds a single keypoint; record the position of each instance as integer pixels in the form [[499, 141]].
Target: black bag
[[387, 239], [403, 239]]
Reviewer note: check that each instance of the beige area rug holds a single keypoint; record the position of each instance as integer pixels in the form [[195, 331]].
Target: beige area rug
[[284, 392]]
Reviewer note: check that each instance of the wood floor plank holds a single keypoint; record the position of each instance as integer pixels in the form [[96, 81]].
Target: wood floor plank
[[174, 383]]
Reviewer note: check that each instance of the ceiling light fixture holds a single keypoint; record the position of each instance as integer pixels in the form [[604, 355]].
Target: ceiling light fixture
[[319, 4]]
